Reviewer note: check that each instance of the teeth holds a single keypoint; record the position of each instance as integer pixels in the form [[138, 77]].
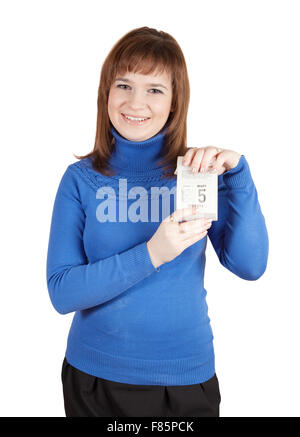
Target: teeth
[[135, 119]]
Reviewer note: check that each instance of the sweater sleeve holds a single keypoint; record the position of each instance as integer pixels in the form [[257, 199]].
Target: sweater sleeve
[[73, 282], [240, 237]]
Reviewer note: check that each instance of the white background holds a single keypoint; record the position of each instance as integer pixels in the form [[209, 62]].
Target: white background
[[243, 63]]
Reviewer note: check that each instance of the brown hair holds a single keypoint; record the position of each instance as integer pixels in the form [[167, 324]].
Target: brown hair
[[144, 50]]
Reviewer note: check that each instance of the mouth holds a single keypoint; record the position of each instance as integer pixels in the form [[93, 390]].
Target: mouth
[[135, 121]]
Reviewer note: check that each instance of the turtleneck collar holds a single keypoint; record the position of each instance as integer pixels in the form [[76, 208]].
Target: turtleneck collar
[[132, 157]]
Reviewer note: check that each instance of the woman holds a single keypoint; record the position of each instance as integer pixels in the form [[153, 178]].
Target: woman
[[124, 259]]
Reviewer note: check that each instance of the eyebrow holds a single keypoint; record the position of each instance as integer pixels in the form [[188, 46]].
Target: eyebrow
[[148, 84]]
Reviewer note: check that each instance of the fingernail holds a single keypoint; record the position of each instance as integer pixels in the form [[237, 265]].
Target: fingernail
[[194, 170]]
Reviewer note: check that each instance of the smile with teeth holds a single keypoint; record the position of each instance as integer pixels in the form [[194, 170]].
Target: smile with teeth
[[134, 120]]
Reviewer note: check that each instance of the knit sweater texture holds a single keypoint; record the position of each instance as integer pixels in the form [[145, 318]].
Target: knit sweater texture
[[134, 323]]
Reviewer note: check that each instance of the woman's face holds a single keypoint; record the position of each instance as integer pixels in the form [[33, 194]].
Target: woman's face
[[140, 96]]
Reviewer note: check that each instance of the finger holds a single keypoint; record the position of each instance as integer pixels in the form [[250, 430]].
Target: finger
[[193, 225], [218, 165], [179, 214], [212, 161], [221, 158], [196, 161], [187, 158], [188, 229], [209, 157], [192, 240]]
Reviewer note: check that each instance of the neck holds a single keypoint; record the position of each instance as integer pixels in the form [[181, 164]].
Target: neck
[[134, 157]]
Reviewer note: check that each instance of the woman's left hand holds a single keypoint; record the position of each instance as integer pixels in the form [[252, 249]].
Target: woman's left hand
[[212, 159]]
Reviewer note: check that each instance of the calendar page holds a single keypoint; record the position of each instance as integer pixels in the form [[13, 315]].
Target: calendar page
[[199, 189]]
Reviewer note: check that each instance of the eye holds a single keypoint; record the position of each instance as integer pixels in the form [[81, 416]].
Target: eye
[[158, 91]]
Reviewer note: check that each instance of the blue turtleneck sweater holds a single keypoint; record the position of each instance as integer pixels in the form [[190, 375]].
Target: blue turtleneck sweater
[[135, 323]]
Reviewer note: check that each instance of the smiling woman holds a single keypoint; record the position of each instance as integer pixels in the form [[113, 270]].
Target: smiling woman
[[141, 343], [135, 110]]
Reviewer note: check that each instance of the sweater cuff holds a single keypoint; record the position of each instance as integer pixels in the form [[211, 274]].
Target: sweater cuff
[[138, 260], [239, 176]]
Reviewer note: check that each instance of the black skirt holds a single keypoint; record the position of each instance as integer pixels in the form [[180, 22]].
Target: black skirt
[[89, 396]]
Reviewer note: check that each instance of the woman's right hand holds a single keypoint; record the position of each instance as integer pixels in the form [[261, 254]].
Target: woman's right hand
[[171, 238]]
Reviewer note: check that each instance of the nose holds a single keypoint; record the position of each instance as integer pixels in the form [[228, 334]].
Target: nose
[[137, 101]]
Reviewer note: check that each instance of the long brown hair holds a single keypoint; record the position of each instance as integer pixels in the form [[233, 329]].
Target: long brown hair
[[144, 50]]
